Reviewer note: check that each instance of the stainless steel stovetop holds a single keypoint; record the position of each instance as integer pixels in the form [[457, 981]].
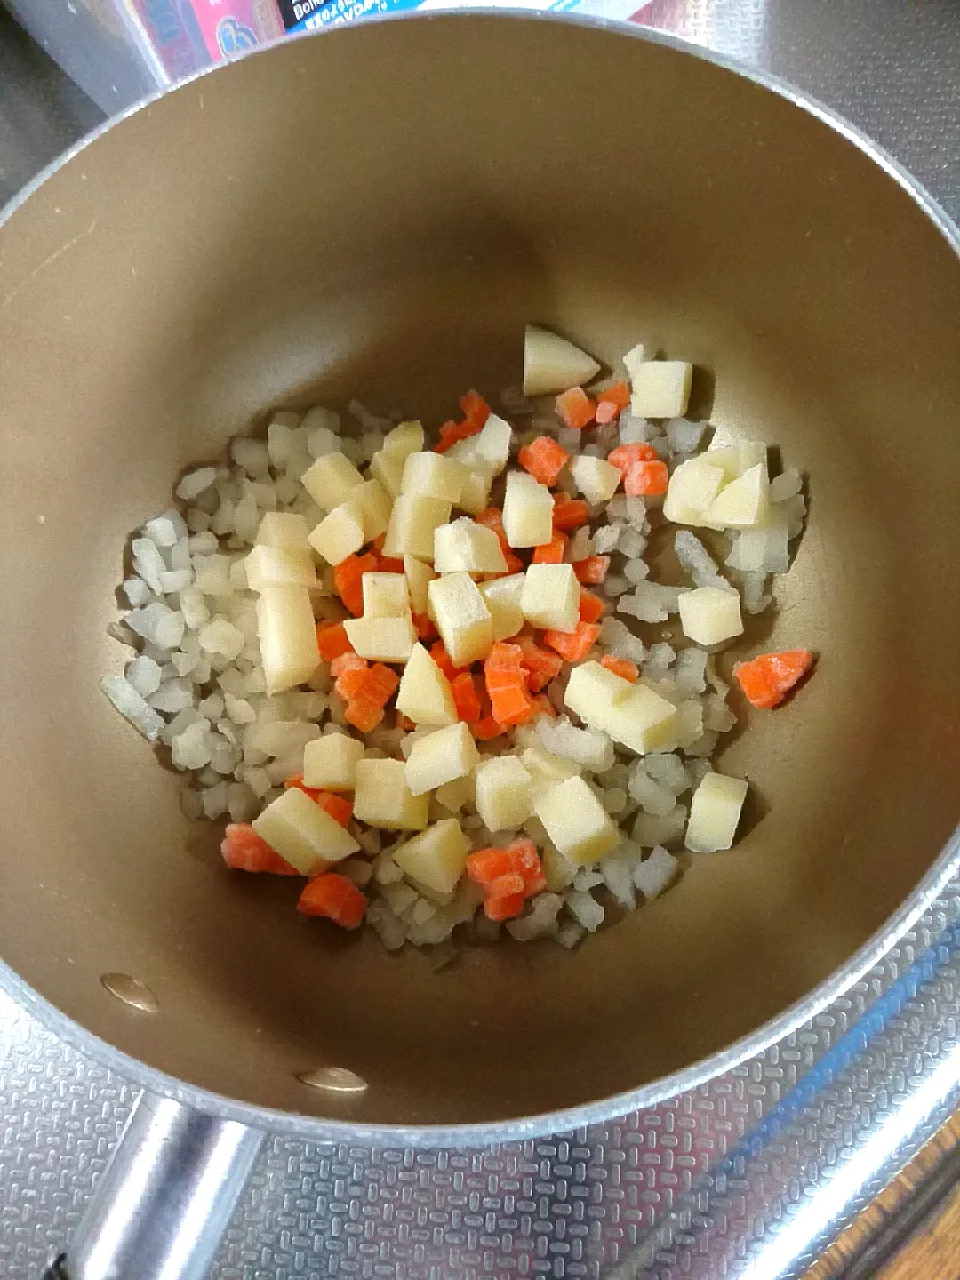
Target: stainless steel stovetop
[[749, 1176]]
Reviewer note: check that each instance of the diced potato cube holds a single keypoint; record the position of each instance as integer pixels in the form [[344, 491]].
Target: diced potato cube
[[633, 715], [552, 364], [503, 793], [435, 861], [691, 490], [433, 474], [744, 502], [502, 598], [283, 529], [331, 762], [440, 757], [375, 503], [461, 617], [382, 639], [551, 596], [557, 870], [597, 480], [413, 522], [488, 451], [339, 534], [280, 567], [463, 546], [661, 389], [575, 820], [710, 615], [418, 575], [545, 768], [633, 360], [735, 454], [288, 637], [302, 832], [424, 693], [475, 494], [385, 595], [527, 511], [330, 480], [383, 798], [714, 813], [454, 795], [388, 469], [404, 439]]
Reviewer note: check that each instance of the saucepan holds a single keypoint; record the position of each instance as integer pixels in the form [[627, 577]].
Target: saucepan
[[376, 213]]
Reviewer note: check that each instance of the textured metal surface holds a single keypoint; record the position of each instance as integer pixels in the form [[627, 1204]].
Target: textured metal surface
[[747, 1176]]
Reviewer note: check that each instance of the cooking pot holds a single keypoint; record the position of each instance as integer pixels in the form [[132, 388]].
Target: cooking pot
[[376, 214]]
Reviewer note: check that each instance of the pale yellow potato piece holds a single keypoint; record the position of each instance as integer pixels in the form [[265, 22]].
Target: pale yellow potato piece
[[503, 793], [633, 715], [454, 795], [280, 567], [502, 598], [744, 502], [375, 503], [383, 798], [440, 757], [463, 620], [433, 474], [661, 389], [331, 762], [735, 454], [596, 479], [388, 469], [527, 511], [381, 639], [288, 637], [475, 494], [283, 529], [551, 596], [552, 364], [576, 821], [634, 359], [303, 833], [331, 480], [691, 490], [339, 534], [404, 439], [714, 813], [385, 595], [463, 546], [488, 450], [545, 768], [413, 522], [710, 615], [424, 693], [435, 861], [418, 575]]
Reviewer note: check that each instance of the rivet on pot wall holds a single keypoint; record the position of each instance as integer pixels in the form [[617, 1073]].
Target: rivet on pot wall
[[131, 991], [333, 1080]]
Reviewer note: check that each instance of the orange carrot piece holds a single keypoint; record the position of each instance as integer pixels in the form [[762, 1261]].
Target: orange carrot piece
[[466, 699], [332, 640], [443, 660], [551, 552], [512, 706], [335, 897], [507, 908], [338, 807], [591, 606], [575, 408], [618, 395], [593, 569], [503, 654], [364, 714], [621, 667], [544, 459], [348, 580], [766, 680], [541, 665], [606, 413], [647, 480], [380, 683], [626, 456], [296, 780], [486, 865], [424, 626], [350, 679], [505, 886], [525, 862], [386, 565], [475, 410], [575, 645], [486, 728], [244, 850], [492, 518], [569, 513]]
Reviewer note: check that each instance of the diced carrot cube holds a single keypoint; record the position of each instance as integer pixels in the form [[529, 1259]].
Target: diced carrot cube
[[332, 640], [551, 552], [381, 683], [766, 680], [511, 706], [466, 699], [618, 395], [626, 456], [525, 862], [475, 411], [541, 665], [487, 728], [296, 780], [647, 480], [544, 458], [351, 678], [593, 569], [506, 885], [503, 654], [335, 897], [591, 606], [575, 408], [244, 850], [569, 513], [575, 645], [622, 667], [386, 565], [348, 580], [443, 660], [492, 518], [606, 412], [486, 865], [424, 626], [338, 807], [363, 714]]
